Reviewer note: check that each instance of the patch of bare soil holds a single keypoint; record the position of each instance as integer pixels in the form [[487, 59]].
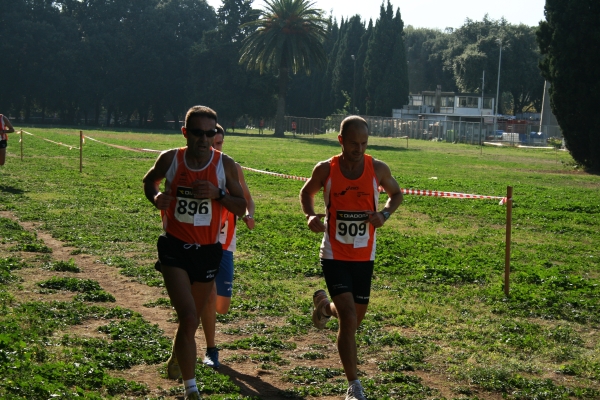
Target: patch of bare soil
[[248, 375]]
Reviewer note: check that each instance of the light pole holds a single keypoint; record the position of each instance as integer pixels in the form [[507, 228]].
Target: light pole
[[481, 109], [354, 84], [499, 41]]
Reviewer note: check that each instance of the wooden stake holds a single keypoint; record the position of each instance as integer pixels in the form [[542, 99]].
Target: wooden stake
[[21, 144], [509, 194]]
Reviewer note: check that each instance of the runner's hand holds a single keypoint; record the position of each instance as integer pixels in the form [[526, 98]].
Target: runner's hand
[[162, 200], [315, 224], [204, 190], [249, 221], [376, 219]]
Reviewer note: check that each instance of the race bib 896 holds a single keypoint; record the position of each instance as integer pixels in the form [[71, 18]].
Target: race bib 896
[[351, 228], [190, 210]]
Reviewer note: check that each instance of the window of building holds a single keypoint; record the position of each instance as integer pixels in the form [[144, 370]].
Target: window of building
[[417, 100], [447, 102], [468, 102]]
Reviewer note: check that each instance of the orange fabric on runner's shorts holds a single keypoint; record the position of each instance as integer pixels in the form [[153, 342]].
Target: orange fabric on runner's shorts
[[349, 236], [187, 218]]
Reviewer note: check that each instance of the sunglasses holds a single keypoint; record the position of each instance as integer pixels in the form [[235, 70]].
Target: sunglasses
[[200, 132]]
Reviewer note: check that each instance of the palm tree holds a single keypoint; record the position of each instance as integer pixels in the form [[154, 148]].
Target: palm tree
[[289, 35]]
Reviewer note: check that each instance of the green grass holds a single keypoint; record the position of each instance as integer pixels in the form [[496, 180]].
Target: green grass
[[438, 306]]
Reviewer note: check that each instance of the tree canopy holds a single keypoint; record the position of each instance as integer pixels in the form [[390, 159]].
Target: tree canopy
[[569, 39], [144, 62], [289, 38]]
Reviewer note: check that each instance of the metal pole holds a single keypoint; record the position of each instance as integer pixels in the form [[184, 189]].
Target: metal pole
[[509, 194], [497, 88], [353, 111], [481, 112]]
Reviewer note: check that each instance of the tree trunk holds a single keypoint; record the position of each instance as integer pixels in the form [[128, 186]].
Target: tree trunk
[[97, 113], [108, 113], [279, 119], [27, 109], [175, 120]]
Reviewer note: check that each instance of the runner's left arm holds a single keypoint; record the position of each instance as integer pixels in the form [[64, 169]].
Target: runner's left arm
[[234, 199], [8, 125], [248, 218], [392, 189]]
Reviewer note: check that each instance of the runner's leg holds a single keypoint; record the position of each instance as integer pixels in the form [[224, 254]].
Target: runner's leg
[[349, 315], [184, 298]]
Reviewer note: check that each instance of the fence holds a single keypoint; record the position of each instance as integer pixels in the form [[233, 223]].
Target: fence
[[506, 132]]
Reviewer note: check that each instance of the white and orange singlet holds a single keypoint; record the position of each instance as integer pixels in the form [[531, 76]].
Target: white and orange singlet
[[228, 237], [349, 236], [190, 219]]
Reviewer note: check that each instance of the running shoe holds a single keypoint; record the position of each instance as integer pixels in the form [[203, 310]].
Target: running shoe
[[211, 358], [320, 301], [193, 396], [173, 371], [355, 392]]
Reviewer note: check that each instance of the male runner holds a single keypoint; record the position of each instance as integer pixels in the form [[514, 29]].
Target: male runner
[[350, 181], [199, 183], [220, 297]]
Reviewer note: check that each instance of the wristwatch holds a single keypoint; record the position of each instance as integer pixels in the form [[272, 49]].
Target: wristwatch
[[222, 194], [386, 215], [248, 216]]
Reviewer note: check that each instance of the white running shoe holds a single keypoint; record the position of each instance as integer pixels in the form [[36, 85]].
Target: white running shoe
[[320, 301], [355, 392], [173, 371]]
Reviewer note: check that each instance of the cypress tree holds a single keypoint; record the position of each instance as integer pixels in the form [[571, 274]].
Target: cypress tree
[[385, 65], [343, 71], [569, 39], [361, 91]]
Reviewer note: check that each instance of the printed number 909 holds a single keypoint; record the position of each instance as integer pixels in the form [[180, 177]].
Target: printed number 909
[[351, 229]]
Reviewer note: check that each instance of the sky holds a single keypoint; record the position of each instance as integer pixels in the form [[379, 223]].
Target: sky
[[433, 13]]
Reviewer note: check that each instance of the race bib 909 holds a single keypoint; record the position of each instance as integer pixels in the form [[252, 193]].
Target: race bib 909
[[351, 228], [190, 210]]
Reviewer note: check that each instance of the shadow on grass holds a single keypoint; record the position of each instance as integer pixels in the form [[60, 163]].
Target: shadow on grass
[[11, 189], [252, 385]]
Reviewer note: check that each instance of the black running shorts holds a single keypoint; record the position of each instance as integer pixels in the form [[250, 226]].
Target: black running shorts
[[349, 276], [201, 262]]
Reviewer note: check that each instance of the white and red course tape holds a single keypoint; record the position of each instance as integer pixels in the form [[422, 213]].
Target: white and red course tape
[[297, 178], [418, 192]]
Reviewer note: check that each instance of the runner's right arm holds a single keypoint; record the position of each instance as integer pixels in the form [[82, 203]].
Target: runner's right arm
[[307, 196], [154, 177]]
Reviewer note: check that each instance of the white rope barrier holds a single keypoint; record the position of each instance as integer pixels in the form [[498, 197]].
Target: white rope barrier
[[52, 141], [418, 192]]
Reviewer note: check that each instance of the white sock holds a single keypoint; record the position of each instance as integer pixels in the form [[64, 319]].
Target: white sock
[[190, 386]]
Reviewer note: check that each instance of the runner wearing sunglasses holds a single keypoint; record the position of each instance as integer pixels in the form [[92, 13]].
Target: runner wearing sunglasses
[[199, 183]]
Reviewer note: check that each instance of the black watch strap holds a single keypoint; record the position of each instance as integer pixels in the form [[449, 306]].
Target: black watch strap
[[222, 194]]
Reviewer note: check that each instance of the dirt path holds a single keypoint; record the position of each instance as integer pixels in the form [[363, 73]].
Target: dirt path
[[252, 380]]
